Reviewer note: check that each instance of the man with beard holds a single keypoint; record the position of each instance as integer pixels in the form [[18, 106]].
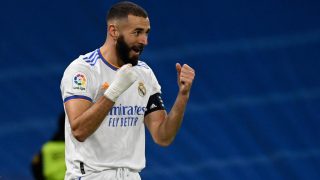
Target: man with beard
[[110, 96]]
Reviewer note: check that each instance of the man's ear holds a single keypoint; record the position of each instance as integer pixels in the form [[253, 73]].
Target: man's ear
[[113, 31]]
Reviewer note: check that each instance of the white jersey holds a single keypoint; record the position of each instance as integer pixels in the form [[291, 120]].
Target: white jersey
[[120, 139]]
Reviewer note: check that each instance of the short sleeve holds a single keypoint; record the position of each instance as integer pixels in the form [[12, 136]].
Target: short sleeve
[[155, 102], [155, 86], [77, 83]]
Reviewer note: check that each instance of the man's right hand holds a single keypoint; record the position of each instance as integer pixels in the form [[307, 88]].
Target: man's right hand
[[125, 77]]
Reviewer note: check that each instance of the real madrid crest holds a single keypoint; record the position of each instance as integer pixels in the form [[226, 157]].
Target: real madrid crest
[[141, 89]]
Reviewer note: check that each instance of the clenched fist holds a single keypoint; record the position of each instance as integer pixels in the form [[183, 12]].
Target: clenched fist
[[185, 78]]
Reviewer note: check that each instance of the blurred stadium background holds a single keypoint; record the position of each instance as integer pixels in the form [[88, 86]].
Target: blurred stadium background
[[254, 112]]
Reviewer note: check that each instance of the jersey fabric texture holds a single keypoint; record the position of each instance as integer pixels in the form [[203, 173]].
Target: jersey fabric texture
[[120, 139]]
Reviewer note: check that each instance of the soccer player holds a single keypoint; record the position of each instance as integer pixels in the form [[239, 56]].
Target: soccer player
[[110, 96]]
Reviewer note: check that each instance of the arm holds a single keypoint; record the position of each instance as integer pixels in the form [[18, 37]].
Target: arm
[[164, 127], [85, 117]]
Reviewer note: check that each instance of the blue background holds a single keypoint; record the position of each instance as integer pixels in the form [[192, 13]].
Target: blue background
[[254, 111]]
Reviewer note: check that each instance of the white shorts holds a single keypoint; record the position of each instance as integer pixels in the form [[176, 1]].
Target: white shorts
[[113, 174]]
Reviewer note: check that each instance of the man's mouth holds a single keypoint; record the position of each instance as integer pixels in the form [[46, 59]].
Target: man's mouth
[[137, 49]]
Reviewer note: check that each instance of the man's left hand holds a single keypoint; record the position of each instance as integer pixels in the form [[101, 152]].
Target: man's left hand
[[186, 76]]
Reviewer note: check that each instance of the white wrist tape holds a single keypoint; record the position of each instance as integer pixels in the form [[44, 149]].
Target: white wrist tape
[[125, 77]]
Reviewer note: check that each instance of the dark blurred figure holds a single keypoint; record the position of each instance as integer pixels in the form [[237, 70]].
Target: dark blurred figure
[[49, 163]]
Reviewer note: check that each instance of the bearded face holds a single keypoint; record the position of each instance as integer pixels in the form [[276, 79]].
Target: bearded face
[[127, 53]]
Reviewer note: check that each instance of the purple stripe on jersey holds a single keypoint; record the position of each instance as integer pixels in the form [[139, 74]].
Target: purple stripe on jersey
[[143, 64], [106, 62], [95, 52], [77, 97], [92, 58], [94, 62]]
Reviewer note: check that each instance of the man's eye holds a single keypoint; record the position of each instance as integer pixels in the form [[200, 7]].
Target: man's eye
[[136, 33]]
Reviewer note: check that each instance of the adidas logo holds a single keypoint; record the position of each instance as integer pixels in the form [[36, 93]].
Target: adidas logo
[[153, 106]]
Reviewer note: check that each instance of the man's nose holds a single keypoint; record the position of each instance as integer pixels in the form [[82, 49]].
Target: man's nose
[[144, 40]]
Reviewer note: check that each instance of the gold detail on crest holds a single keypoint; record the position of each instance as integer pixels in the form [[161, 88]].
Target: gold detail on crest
[[141, 89]]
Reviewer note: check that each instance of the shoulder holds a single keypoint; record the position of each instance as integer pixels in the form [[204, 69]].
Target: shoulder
[[143, 65], [145, 71], [84, 63], [143, 68], [91, 58]]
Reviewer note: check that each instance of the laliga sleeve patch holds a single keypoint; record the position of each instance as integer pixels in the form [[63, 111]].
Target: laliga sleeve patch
[[79, 82]]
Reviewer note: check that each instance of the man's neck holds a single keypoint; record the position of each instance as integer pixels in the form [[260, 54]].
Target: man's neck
[[109, 53]]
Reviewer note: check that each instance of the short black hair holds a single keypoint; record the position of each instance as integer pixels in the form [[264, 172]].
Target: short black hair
[[123, 9]]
